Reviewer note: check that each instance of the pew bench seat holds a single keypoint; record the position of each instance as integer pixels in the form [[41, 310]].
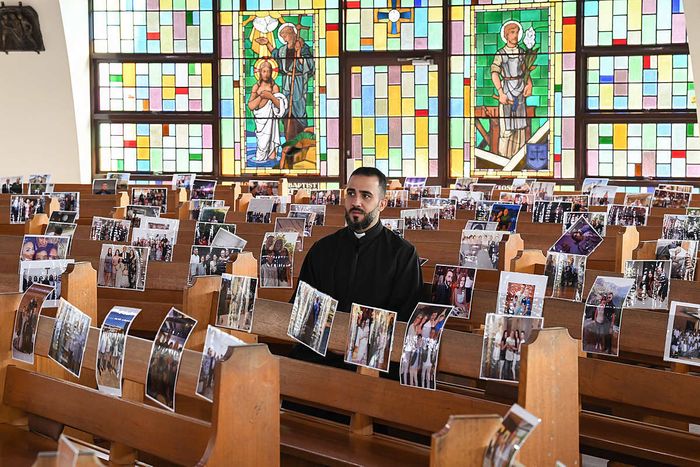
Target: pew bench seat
[[19, 447]]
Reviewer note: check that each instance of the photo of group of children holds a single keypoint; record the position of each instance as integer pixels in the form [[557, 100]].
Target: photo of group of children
[[312, 318], [42, 247], [566, 276], [651, 283], [277, 259], [236, 302], [602, 317], [27, 320], [454, 285], [110, 230], [123, 267], [111, 347], [69, 337], [370, 337], [216, 345], [47, 272]]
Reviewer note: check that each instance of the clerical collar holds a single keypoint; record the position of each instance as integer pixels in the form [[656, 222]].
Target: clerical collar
[[368, 234], [359, 234]]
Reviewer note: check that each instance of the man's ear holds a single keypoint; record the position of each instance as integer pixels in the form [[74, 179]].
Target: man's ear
[[383, 203]]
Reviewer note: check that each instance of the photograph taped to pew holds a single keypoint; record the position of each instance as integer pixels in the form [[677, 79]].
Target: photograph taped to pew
[[602, 195], [566, 275], [104, 186], [481, 225], [580, 239], [627, 216], [182, 181], [453, 285], [38, 184], [259, 211], [506, 216], [264, 187], [134, 213], [40, 247], [312, 318], [683, 334], [196, 205], [12, 184], [448, 207], [516, 426], [398, 226], [680, 227], [202, 189], [69, 337], [23, 207], [216, 345], [465, 183], [161, 243], [578, 202], [370, 337], [122, 179], [431, 191], [522, 185], [414, 186], [479, 249], [421, 219], [466, 200], [683, 255], [277, 259], [67, 201], [111, 348], [59, 229], [602, 316], [665, 198], [319, 210], [110, 230], [485, 188], [156, 197], [638, 199], [208, 261], [550, 212], [524, 200], [692, 211], [421, 345], [504, 336], [397, 198], [309, 220], [27, 320], [521, 294], [327, 197], [66, 217], [590, 183], [675, 187], [47, 272], [160, 223], [598, 220], [123, 267], [236, 306], [204, 232], [651, 284], [279, 203], [542, 191], [292, 224], [166, 355], [213, 215], [226, 239]]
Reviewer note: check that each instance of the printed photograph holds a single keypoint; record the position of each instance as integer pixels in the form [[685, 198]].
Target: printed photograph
[[67, 200], [111, 347], [485, 188], [504, 336], [421, 345], [236, 305], [432, 191], [66, 217], [123, 267], [370, 337], [664, 198], [208, 261], [521, 185], [327, 197], [521, 294], [414, 185], [598, 220], [182, 181], [682, 253], [259, 211], [525, 200], [110, 230], [481, 225], [550, 212], [46, 273], [516, 426], [213, 215], [466, 200], [279, 203], [155, 197], [580, 239], [292, 224], [675, 187], [69, 337], [309, 220], [166, 354], [264, 187], [11, 185], [202, 189], [23, 207], [319, 210], [27, 320], [312, 318], [133, 213], [39, 184], [651, 283], [602, 317], [680, 227], [683, 334], [626, 216], [638, 199], [692, 211], [122, 179], [505, 216], [204, 232], [453, 285], [602, 195], [277, 259], [566, 275], [479, 249], [578, 202], [482, 210], [160, 223], [590, 183], [104, 186], [542, 191], [448, 207], [58, 229], [395, 225], [160, 243], [216, 345], [196, 205], [225, 239], [397, 199], [465, 183], [421, 219], [41, 247]]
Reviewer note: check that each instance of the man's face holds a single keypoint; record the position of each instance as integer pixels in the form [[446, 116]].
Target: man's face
[[448, 277], [104, 186], [363, 202]]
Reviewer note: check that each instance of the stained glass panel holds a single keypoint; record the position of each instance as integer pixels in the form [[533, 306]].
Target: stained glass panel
[[648, 82], [156, 87], [666, 150], [395, 119], [530, 129], [279, 109], [153, 26], [633, 22], [155, 147], [380, 25]]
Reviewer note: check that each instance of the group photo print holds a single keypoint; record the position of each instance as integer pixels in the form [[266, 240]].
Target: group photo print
[[123, 267], [43, 247], [155, 197], [27, 321], [236, 302], [453, 285], [216, 345], [312, 318], [160, 242], [370, 337], [683, 334], [110, 230], [652, 281], [580, 239], [204, 232], [208, 261], [602, 316], [23, 207], [48, 273], [277, 259], [504, 337], [69, 337], [480, 249], [521, 294], [566, 275], [111, 346]]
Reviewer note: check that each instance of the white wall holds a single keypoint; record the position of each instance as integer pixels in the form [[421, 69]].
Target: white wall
[[38, 131]]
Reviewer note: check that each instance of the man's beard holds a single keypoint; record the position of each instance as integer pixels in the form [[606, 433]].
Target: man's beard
[[361, 226]]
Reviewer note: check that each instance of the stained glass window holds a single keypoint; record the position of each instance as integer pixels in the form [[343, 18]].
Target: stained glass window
[[280, 87], [153, 26], [395, 119], [504, 122], [381, 25], [643, 150], [633, 22], [167, 147], [638, 82], [153, 86]]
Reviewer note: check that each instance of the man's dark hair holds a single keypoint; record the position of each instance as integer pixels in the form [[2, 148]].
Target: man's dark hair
[[373, 172]]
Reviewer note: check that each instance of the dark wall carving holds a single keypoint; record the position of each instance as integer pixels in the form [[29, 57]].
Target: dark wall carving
[[19, 29]]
